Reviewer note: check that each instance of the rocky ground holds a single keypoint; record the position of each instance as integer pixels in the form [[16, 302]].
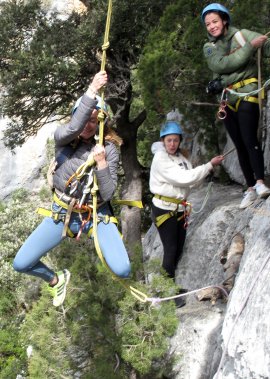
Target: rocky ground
[[216, 337]]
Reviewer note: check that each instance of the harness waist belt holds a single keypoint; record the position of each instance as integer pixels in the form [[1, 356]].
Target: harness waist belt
[[251, 99], [170, 199], [64, 200], [65, 205], [243, 83], [62, 196]]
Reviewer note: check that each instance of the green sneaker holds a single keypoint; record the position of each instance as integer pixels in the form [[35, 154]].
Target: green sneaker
[[58, 291]]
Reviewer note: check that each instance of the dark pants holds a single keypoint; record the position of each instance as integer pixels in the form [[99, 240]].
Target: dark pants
[[172, 234], [242, 127]]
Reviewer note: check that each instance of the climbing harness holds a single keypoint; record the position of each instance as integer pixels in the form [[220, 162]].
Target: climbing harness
[[159, 220], [221, 114], [248, 94]]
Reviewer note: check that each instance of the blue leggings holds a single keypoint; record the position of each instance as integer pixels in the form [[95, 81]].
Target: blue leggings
[[49, 234]]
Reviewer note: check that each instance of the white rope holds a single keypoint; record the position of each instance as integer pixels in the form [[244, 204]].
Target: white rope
[[243, 94], [209, 187], [155, 300]]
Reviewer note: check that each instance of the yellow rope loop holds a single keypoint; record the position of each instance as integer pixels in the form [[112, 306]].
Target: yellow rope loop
[[78, 174], [94, 190], [138, 294], [82, 169]]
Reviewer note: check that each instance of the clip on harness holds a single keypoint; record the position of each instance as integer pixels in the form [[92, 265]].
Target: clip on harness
[[221, 114], [69, 204], [187, 210]]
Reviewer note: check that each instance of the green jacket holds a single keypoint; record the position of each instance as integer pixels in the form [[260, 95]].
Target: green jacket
[[231, 62]]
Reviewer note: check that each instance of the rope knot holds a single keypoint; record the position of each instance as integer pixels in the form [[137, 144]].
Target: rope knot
[[105, 46], [101, 116]]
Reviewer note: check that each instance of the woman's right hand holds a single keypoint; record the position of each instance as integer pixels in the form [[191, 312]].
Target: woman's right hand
[[217, 160], [99, 80]]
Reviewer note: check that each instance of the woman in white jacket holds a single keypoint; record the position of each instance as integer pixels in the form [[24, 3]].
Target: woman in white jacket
[[171, 177]]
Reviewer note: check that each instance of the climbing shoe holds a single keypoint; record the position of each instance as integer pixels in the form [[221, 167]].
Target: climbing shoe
[[58, 291], [261, 190], [248, 199], [181, 301]]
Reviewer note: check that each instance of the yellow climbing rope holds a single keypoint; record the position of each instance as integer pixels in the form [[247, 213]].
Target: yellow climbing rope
[[136, 293]]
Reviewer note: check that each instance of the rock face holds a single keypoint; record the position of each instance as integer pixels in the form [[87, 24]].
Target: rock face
[[22, 168], [266, 136], [227, 340]]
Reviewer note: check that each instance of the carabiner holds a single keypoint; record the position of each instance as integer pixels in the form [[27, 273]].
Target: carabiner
[[221, 114]]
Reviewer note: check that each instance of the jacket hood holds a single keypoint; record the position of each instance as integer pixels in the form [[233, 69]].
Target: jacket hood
[[157, 146]]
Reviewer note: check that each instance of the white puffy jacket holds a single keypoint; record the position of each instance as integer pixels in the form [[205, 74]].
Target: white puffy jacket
[[173, 176]]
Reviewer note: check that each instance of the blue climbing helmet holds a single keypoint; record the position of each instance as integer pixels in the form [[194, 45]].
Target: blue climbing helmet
[[98, 106], [171, 127], [216, 7]]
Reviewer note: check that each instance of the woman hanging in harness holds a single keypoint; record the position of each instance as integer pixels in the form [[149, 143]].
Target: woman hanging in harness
[[71, 207], [171, 178], [231, 56]]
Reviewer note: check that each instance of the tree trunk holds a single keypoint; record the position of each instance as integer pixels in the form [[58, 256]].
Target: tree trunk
[[132, 184], [131, 190]]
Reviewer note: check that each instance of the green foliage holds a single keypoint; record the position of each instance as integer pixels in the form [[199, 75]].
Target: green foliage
[[176, 75], [98, 323], [21, 220], [46, 62], [16, 223], [146, 329], [171, 58], [12, 355], [46, 331], [45, 193], [256, 18], [176, 72]]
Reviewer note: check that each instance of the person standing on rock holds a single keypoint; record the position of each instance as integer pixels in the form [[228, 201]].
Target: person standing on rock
[[231, 56], [171, 178]]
